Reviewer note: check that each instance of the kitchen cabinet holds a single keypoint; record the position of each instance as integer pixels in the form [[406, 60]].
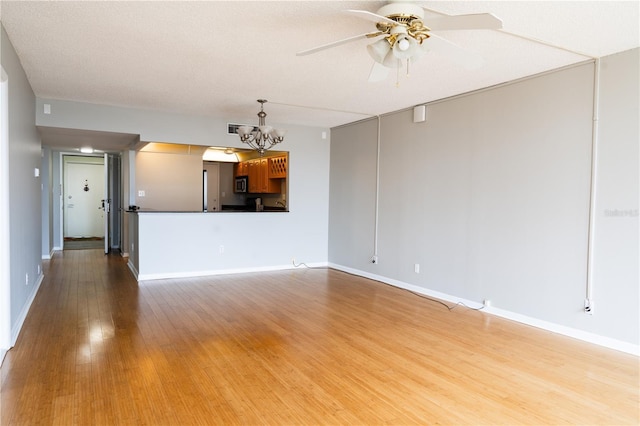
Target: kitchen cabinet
[[278, 167], [241, 169], [259, 181]]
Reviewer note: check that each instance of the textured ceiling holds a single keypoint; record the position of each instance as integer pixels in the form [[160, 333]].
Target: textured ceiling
[[215, 58]]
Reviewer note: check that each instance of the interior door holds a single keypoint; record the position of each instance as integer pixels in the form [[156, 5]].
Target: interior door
[[115, 202], [212, 186]]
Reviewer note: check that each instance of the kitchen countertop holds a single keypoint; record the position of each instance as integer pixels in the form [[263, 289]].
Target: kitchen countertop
[[267, 209]]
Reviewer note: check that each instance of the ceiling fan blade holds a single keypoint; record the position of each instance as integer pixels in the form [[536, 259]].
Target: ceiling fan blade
[[467, 59], [369, 16], [479, 21], [337, 43], [378, 72]]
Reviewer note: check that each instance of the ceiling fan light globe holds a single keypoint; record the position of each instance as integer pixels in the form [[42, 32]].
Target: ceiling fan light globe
[[379, 50], [403, 44], [391, 61], [405, 48]]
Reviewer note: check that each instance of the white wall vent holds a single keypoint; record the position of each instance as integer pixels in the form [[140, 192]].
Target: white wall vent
[[232, 129]]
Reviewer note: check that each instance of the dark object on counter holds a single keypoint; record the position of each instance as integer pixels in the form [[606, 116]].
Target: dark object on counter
[[253, 203], [134, 208], [234, 207]]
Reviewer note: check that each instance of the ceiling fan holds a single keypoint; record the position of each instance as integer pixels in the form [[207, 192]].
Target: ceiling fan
[[406, 36]]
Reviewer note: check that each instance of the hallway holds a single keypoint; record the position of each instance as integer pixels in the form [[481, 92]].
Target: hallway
[[308, 346]]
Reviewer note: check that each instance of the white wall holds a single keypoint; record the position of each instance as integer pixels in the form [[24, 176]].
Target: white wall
[[24, 189], [301, 233], [226, 186], [490, 196], [171, 182], [5, 276], [56, 199]]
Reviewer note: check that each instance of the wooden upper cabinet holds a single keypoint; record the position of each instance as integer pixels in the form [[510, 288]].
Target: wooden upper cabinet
[[241, 169], [265, 174], [259, 181], [254, 176], [278, 167]]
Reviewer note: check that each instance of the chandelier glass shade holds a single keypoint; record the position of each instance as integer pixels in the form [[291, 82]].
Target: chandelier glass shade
[[263, 137]]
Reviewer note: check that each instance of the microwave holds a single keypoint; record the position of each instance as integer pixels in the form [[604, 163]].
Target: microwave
[[241, 184]]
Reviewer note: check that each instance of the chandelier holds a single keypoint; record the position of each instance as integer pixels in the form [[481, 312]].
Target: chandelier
[[263, 137]]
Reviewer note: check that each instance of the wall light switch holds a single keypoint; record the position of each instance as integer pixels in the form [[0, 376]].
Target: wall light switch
[[36, 172], [47, 108]]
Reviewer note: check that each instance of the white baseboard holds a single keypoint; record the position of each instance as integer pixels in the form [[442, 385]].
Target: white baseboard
[[3, 352], [191, 274], [124, 254], [535, 322], [15, 330], [586, 336], [133, 269], [48, 256]]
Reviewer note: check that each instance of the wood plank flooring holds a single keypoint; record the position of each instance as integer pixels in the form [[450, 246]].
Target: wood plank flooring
[[307, 346]]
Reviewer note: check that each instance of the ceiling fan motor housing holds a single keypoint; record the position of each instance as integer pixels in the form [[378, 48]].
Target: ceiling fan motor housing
[[408, 17], [401, 11]]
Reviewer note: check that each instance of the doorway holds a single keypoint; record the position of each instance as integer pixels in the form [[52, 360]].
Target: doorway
[[91, 204], [83, 192]]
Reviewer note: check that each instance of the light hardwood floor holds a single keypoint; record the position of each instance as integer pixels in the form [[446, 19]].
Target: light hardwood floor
[[306, 346]]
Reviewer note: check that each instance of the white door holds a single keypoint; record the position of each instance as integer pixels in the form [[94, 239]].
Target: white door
[[213, 186], [106, 203], [83, 194]]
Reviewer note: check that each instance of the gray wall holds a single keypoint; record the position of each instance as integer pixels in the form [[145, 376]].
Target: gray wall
[[490, 196], [25, 242], [46, 176], [615, 264]]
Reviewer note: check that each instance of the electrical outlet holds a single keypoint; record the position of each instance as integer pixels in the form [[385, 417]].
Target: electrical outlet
[[416, 268], [588, 306], [486, 303], [26, 279], [374, 260]]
